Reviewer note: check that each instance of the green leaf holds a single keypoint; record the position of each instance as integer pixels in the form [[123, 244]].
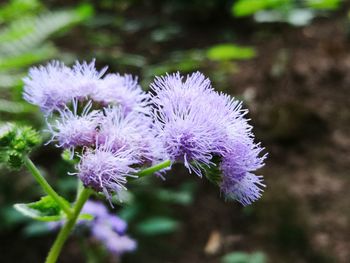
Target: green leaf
[[28, 34], [46, 51], [182, 198], [86, 217], [46, 209], [241, 257], [18, 8], [158, 225], [224, 52], [323, 4], [250, 7]]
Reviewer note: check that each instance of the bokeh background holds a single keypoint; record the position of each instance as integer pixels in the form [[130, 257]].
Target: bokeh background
[[288, 60]]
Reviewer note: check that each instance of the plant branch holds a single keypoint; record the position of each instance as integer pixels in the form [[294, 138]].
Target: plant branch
[[68, 226], [154, 168], [46, 186]]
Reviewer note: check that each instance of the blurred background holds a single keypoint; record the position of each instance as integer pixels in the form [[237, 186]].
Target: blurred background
[[288, 60]]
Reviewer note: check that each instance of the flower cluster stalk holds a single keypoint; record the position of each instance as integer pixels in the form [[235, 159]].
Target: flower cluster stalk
[[153, 169], [68, 226], [73, 213], [46, 186]]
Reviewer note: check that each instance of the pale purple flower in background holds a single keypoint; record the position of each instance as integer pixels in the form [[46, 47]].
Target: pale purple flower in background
[[72, 130], [237, 180], [48, 87], [122, 90], [108, 228], [96, 209], [105, 170], [102, 216], [114, 242], [105, 227]]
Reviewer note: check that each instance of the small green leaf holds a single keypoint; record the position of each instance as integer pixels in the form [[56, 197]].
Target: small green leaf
[[225, 52], [86, 217], [158, 225], [242, 257], [323, 4], [46, 209], [249, 7]]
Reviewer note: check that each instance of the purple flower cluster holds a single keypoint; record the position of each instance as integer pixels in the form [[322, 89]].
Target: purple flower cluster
[[107, 228], [196, 124], [117, 129]]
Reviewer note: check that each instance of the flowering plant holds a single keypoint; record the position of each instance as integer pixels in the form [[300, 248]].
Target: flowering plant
[[116, 132]]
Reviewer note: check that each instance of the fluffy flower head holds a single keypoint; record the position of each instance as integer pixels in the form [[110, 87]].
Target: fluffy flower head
[[85, 79], [122, 90], [237, 180], [186, 120], [52, 86], [132, 132], [72, 130], [48, 86], [105, 170]]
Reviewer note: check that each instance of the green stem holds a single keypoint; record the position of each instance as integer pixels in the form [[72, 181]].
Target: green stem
[[68, 226], [154, 168], [46, 186]]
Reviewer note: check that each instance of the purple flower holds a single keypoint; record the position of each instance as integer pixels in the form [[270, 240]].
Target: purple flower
[[105, 227], [173, 92], [97, 209], [237, 180], [53, 86], [186, 119], [132, 132], [105, 170], [72, 130], [86, 78], [124, 91], [101, 215], [48, 87], [117, 224], [108, 229], [195, 123], [114, 242]]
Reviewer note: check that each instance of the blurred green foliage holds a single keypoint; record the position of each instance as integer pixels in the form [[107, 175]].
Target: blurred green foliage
[[230, 52], [25, 29], [294, 12], [250, 7], [241, 257], [148, 206]]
